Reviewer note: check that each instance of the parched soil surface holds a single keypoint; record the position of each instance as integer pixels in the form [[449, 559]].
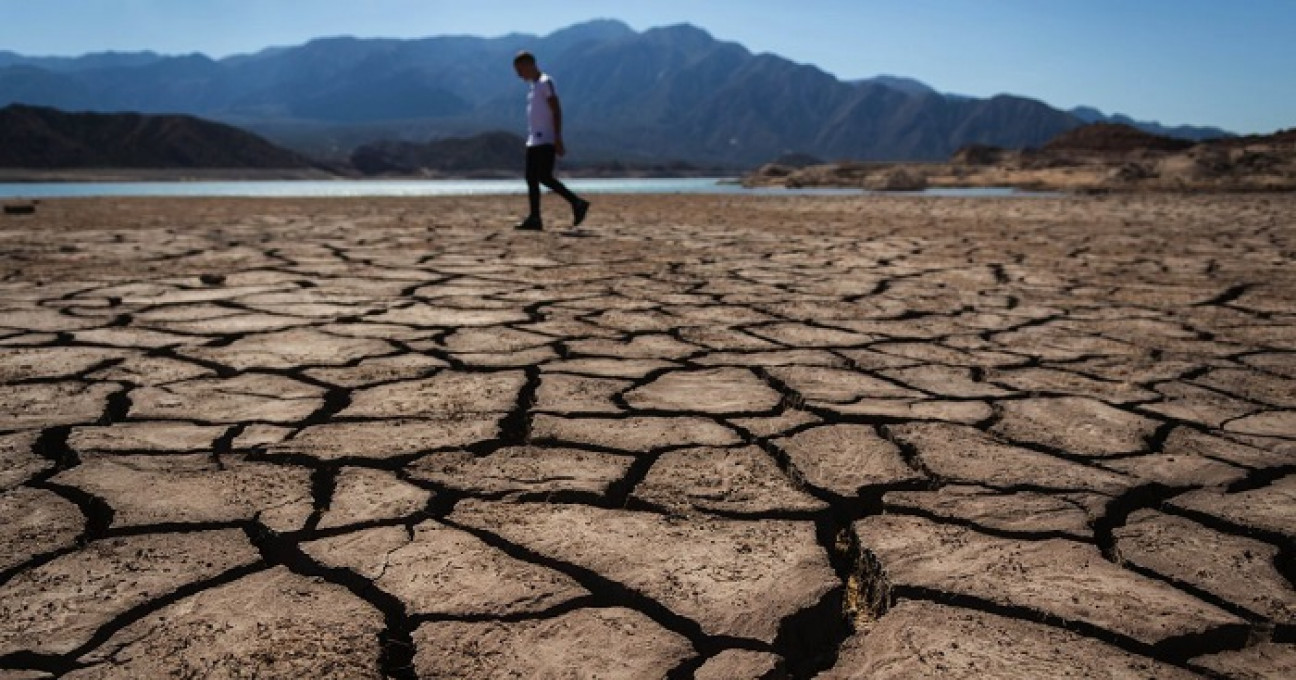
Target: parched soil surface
[[713, 437]]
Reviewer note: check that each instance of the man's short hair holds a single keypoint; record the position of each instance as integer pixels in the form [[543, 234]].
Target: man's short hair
[[524, 57]]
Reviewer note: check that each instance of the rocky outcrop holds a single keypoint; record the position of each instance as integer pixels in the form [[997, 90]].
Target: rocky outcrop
[[1114, 138], [1101, 157]]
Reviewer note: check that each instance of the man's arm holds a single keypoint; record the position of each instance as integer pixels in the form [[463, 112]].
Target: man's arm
[[556, 108]]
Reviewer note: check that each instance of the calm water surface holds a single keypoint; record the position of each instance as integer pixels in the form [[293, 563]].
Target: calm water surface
[[473, 187]]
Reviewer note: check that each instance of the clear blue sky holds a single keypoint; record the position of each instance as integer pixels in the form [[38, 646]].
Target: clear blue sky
[[1230, 63]]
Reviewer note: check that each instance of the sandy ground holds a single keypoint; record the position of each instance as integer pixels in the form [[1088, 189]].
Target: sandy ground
[[713, 437]]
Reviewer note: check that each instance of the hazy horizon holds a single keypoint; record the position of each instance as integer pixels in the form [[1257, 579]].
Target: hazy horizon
[[1195, 62]]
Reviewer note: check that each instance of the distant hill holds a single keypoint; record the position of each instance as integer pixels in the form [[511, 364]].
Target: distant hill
[[491, 151], [1114, 137], [44, 138], [673, 92], [1195, 133]]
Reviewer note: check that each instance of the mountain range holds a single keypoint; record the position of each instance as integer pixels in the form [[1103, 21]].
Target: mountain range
[[673, 92]]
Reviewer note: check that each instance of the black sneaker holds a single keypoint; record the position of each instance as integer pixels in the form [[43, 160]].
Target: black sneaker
[[530, 224], [579, 209]]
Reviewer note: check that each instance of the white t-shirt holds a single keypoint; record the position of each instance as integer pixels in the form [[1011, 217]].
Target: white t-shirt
[[540, 119]]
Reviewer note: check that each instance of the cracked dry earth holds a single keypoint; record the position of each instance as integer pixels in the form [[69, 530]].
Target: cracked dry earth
[[709, 437]]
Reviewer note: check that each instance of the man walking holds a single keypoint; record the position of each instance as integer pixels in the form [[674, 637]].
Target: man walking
[[544, 142]]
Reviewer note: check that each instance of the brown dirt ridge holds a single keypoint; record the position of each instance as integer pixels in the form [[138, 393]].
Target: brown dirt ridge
[[1097, 158]]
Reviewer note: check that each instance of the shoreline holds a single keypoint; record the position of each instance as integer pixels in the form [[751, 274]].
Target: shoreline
[[94, 175], [1080, 179]]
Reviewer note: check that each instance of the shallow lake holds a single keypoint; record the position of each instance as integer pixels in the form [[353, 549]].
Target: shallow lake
[[443, 187]]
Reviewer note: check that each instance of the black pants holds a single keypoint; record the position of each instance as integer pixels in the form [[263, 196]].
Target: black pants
[[540, 162]]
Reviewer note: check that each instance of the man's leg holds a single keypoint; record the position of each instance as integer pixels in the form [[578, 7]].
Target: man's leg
[[558, 187], [540, 165], [534, 171]]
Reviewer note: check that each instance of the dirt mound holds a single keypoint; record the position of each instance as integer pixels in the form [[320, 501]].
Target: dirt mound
[[1282, 138], [978, 154], [1114, 137]]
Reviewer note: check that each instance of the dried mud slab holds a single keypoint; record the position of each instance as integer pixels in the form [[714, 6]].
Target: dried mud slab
[[717, 391], [844, 458], [1056, 577], [1195, 404], [493, 340], [945, 381], [269, 624], [37, 405], [379, 440], [738, 481], [1277, 363], [145, 490], [640, 434], [1178, 470], [18, 463], [58, 607], [524, 471], [966, 454], [221, 323], [926, 640], [1051, 380], [1075, 425], [1270, 390], [799, 335], [291, 349], [609, 368], [604, 643], [733, 578], [1187, 441], [443, 396], [650, 346], [36, 522], [782, 357], [380, 370], [44, 320], [740, 663], [147, 370], [569, 394], [1265, 660], [429, 316], [1027, 513], [259, 436], [251, 397], [838, 385], [966, 412], [773, 426], [1267, 424], [54, 362], [436, 570], [1235, 569], [361, 495], [1268, 508], [146, 437], [137, 338]]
